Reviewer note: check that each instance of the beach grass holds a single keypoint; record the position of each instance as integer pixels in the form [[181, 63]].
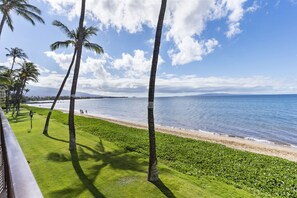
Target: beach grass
[[113, 159], [101, 168]]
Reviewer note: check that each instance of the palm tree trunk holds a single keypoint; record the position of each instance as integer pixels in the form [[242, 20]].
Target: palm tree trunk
[[153, 170], [45, 131], [72, 139], [20, 98], [13, 61], [2, 23], [10, 76]]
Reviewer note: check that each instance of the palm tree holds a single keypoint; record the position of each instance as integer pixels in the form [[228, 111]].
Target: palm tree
[[20, 7], [15, 53], [27, 73], [153, 170], [72, 139], [5, 83], [72, 40]]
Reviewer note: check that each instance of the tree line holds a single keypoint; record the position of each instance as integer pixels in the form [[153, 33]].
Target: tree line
[[14, 81]]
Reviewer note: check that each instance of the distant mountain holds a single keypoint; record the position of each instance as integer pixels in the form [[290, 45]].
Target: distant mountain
[[217, 94], [47, 91]]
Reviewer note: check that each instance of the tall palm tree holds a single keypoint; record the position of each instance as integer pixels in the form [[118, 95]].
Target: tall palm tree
[[20, 7], [72, 40], [153, 170], [15, 52], [72, 139]]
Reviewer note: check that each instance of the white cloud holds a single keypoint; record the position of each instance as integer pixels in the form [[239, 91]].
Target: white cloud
[[95, 66], [136, 65], [236, 14], [170, 84], [62, 59], [185, 20], [97, 77], [191, 50], [253, 8], [42, 70], [125, 14]]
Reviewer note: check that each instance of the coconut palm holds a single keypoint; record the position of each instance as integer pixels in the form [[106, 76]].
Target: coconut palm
[[72, 139], [28, 72], [20, 7], [153, 171], [15, 53], [72, 40]]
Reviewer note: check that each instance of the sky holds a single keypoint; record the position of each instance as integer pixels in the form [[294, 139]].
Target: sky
[[208, 46]]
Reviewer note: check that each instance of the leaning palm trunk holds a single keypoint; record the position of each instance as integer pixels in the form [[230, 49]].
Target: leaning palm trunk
[[72, 139], [45, 131], [153, 170]]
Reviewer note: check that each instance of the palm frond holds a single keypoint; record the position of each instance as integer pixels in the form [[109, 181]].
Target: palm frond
[[16, 52], [60, 44], [64, 28], [94, 47], [4, 80], [9, 22], [32, 8], [29, 16]]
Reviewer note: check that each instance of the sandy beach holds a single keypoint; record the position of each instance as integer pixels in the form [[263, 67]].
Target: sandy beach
[[272, 149]]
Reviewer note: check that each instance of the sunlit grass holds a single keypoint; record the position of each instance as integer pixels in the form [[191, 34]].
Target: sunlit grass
[[100, 168]]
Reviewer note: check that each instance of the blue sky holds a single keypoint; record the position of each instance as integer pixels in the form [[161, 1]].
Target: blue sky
[[208, 46]]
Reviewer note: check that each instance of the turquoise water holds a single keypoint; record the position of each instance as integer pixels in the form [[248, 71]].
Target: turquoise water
[[268, 117]]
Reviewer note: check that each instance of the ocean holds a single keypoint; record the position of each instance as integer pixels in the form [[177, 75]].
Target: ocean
[[267, 118]]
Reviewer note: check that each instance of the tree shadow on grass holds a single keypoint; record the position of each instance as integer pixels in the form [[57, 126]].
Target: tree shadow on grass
[[88, 183], [21, 118], [118, 159], [164, 189]]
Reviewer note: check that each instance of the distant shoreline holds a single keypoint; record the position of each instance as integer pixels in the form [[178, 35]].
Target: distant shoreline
[[51, 99], [285, 151]]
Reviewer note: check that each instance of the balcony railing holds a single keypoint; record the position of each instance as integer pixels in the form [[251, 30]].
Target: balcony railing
[[16, 178]]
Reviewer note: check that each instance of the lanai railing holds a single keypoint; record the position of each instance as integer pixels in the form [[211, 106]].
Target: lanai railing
[[16, 178]]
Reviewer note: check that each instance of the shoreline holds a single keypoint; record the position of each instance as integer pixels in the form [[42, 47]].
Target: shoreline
[[285, 151], [264, 147]]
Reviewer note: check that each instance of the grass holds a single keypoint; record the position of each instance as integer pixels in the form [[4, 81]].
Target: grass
[[106, 166], [259, 174]]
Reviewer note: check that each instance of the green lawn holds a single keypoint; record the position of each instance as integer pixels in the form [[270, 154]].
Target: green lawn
[[101, 168], [111, 161]]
